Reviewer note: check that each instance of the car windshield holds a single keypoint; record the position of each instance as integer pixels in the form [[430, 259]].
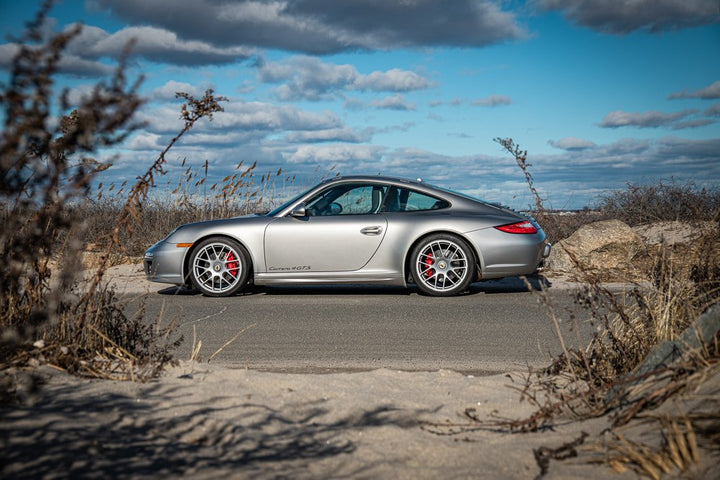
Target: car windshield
[[282, 207]]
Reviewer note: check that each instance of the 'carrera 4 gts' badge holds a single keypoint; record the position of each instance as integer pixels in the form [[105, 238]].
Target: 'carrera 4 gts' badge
[[296, 268]]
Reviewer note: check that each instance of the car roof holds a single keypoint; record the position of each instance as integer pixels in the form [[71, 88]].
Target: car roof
[[374, 178], [458, 201]]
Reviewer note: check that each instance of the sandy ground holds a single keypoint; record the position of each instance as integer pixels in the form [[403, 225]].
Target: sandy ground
[[206, 421], [209, 421], [203, 421]]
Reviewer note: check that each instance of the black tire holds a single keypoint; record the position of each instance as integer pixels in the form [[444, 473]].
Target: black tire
[[219, 267], [442, 265]]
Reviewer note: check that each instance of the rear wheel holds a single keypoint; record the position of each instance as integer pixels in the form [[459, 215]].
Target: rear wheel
[[443, 265], [219, 267]]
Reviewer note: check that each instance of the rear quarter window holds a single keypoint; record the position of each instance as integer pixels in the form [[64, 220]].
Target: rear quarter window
[[405, 200]]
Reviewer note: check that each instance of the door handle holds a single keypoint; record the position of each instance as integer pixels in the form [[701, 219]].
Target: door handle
[[371, 230]]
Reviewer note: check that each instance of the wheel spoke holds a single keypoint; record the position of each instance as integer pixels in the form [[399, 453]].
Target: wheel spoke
[[217, 267], [442, 265]]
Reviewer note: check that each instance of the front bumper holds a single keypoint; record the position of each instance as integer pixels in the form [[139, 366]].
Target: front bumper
[[163, 263]]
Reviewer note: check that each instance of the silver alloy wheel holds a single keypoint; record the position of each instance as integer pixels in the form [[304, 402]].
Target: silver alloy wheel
[[442, 266], [217, 267]]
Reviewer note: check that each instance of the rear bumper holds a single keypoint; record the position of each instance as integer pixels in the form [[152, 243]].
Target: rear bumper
[[545, 255], [506, 254]]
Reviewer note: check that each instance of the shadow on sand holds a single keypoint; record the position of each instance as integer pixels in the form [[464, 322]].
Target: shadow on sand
[[70, 435]]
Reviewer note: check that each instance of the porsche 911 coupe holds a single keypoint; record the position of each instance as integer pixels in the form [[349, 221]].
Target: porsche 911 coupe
[[354, 230]]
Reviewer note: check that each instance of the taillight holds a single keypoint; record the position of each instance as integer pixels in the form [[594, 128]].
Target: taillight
[[519, 227]]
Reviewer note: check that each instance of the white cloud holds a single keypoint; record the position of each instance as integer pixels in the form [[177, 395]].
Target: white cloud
[[649, 119], [394, 80], [710, 92], [168, 91], [310, 78], [339, 154], [330, 135], [713, 111], [623, 16], [69, 63], [156, 44], [393, 102], [492, 101], [326, 26], [572, 143]]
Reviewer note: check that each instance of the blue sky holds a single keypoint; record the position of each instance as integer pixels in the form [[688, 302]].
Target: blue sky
[[600, 93]]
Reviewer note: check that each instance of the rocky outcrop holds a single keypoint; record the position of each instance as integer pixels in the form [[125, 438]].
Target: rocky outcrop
[[605, 245]]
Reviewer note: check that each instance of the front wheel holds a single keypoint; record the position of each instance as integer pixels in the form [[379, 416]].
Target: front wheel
[[443, 265], [219, 267]]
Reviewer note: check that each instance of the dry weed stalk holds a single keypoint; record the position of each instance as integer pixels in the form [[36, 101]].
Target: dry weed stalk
[[678, 450], [46, 179], [43, 176], [593, 381], [191, 111]]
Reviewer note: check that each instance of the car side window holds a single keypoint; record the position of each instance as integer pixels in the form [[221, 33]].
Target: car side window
[[347, 199], [406, 200]]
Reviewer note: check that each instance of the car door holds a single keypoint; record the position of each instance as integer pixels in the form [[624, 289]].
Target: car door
[[341, 231]]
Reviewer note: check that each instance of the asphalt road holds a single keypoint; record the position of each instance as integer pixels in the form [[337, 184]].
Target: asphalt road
[[496, 327]]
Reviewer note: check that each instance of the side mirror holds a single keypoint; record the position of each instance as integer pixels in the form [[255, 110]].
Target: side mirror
[[299, 211]]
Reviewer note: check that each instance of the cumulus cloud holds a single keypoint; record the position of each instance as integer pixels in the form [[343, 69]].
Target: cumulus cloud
[[394, 80], [622, 16], [265, 119], [69, 63], [152, 43], [326, 26], [708, 93], [330, 135], [393, 102], [168, 91], [650, 119], [338, 154], [312, 79], [266, 116], [680, 150], [572, 143], [713, 111], [492, 101]]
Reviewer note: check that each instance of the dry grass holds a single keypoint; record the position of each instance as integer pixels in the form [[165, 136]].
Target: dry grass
[[599, 380], [191, 199], [47, 176]]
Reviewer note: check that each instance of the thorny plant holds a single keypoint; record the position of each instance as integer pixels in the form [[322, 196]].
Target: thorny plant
[[46, 178], [597, 380]]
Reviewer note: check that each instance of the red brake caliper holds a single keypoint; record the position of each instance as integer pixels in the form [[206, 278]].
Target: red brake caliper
[[428, 263], [232, 264]]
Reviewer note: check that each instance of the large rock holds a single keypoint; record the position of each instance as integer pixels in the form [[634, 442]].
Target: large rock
[[606, 245]]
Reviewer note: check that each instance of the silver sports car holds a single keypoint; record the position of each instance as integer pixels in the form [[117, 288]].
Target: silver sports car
[[355, 230]]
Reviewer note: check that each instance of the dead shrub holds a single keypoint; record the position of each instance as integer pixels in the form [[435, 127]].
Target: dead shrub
[[661, 201], [46, 183], [600, 379]]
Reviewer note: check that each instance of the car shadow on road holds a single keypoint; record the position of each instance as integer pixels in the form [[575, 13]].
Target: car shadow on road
[[178, 291], [512, 285], [503, 285]]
